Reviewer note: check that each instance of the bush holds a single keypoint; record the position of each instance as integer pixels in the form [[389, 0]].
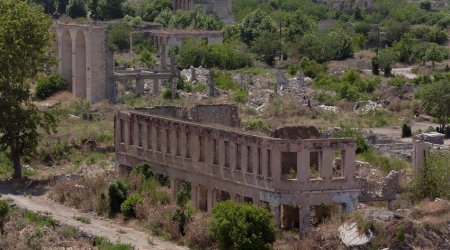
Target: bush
[[104, 244], [82, 108], [225, 81], [242, 226], [119, 36], [375, 66], [406, 131], [4, 211], [117, 193], [433, 179], [145, 170], [50, 85], [361, 143], [128, 207], [240, 96]]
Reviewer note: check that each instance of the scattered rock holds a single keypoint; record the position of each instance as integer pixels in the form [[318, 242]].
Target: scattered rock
[[351, 237]]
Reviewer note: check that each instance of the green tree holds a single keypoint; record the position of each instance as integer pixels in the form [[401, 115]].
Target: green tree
[[119, 36], [435, 53], [25, 50], [193, 52], [184, 212], [76, 8], [94, 9], [385, 59], [153, 8], [404, 49], [164, 17], [110, 9], [242, 226], [254, 24], [61, 6], [266, 47], [435, 98], [297, 24]]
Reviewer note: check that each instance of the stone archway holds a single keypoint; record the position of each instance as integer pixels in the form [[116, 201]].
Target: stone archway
[[66, 57], [79, 82]]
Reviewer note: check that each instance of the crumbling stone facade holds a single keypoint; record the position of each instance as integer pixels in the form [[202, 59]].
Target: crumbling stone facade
[[289, 177], [222, 8], [85, 60]]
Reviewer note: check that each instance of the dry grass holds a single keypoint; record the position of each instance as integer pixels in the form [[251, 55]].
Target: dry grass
[[197, 235]]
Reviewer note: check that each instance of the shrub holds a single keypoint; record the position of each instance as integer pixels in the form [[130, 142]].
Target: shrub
[[433, 179], [119, 36], [4, 211], [128, 207], [242, 226], [293, 69], [225, 81], [117, 193], [82, 108], [240, 96], [406, 131], [361, 143], [145, 170], [375, 66], [50, 85], [104, 244], [184, 213]]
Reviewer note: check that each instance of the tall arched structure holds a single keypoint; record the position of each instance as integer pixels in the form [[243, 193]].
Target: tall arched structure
[[66, 57], [79, 86], [85, 60]]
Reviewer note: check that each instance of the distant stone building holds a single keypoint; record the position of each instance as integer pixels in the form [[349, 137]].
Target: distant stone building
[[222, 8]]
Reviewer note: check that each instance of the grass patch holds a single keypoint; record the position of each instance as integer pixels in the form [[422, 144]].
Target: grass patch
[[384, 163], [38, 220], [83, 219], [104, 244]]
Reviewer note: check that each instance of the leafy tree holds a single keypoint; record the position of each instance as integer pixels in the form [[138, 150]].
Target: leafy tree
[[164, 17], [93, 7], [404, 49], [110, 9], [119, 36], [426, 5], [25, 50], [153, 8], [117, 193], [266, 47], [61, 6], [386, 58], [242, 226], [435, 53], [406, 130], [297, 25], [436, 100], [339, 42], [254, 24], [48, 5], [193, 52], [76, 8]]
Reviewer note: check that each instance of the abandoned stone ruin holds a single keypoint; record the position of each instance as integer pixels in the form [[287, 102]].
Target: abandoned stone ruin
[[222, 8], [85, 60], [293, 176]]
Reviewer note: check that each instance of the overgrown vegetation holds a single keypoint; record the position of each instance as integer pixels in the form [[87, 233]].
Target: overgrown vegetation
[[49, 85]]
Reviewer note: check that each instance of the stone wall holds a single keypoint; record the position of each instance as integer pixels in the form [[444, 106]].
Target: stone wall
[[224, 114], [297, 132]]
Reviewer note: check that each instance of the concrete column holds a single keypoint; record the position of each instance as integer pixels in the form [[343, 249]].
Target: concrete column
[[327, 164], [304, 219], [275, 209], [163, 53], [210, 198], [211, 85], [193, 74], [303, 168], [173, 87], [156, 84], [348, 165], [139, 90], [276, 163]]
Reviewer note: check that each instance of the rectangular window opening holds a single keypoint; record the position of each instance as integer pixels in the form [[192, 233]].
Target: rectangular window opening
[[338, 163], [259, 162], [131, 131], [289, 165], [168, 141], [141, 135], [177, 143], [227, 154], [201, 157], [158, 139], [215, 152], [315, 164], [149, 136], [238, 156], [249, 160], [122, 131], [188, 143], [269, 171]]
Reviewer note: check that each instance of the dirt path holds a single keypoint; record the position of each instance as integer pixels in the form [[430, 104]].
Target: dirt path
[[113, 231]]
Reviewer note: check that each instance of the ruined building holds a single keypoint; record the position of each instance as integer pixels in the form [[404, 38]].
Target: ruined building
[[85, 60], [222, 8], [294, 178]]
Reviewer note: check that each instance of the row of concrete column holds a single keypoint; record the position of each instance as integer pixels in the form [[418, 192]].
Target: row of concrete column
[[183, 4]]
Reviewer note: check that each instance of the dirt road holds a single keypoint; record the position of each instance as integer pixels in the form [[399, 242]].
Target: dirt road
[[113, 231]]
